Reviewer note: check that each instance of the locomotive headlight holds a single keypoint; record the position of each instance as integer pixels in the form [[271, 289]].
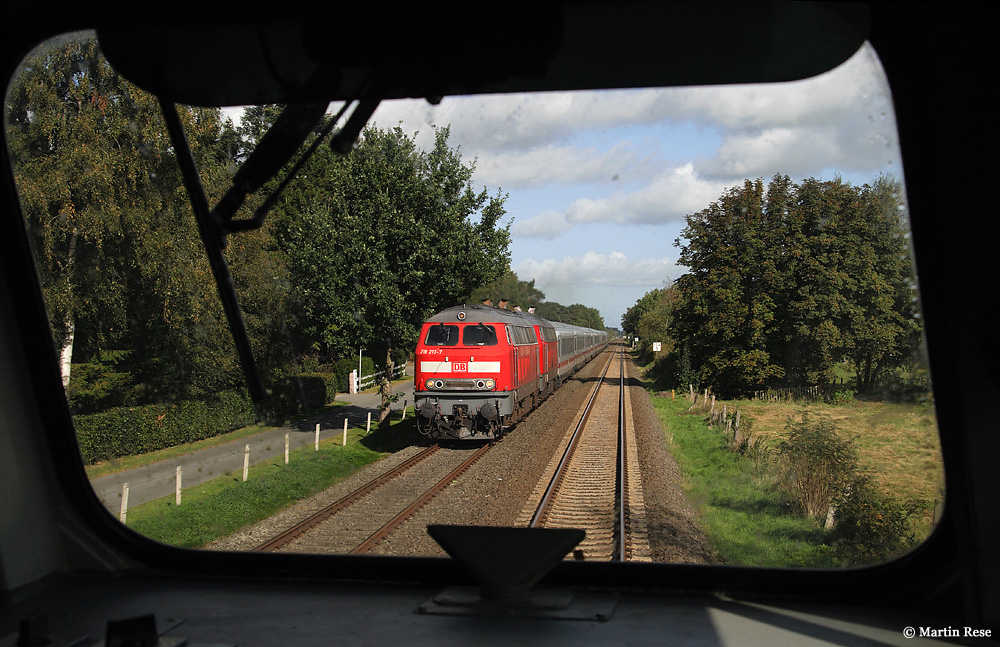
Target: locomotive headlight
[[429, 384], [490, 384]]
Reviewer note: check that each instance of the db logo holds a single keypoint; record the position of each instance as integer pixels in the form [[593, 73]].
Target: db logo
[[460, 367]]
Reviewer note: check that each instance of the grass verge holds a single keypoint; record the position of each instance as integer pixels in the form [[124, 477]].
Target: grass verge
[[748, 520], [751, 520], [222, 506]]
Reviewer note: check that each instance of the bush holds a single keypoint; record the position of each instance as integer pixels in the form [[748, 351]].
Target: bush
[[297, 394], [871, 526], [818, 464], [843, 396]]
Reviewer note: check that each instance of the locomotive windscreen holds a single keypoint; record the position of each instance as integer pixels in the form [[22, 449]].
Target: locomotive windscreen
[[746, 245]]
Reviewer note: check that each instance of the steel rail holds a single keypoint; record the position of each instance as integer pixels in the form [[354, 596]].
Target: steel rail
[[620, 478], [308, 523], [543, 506], [424, 498]]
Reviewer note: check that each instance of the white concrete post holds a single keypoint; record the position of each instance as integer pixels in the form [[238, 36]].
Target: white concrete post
[[121, 514]]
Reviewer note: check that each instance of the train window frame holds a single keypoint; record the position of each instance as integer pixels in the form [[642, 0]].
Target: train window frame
[[173, 551]]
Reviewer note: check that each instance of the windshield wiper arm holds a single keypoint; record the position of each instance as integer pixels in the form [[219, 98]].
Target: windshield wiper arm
[[281, 141]]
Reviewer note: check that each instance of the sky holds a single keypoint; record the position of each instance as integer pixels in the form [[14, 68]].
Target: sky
[[599, 183]]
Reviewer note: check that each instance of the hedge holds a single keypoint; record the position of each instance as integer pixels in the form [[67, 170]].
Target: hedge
[[127, 431]]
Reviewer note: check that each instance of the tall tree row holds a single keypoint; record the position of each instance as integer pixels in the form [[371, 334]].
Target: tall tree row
[[358, 250], [786, 282]]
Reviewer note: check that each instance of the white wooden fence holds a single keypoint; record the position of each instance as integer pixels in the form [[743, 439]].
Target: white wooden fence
[[368, 381]]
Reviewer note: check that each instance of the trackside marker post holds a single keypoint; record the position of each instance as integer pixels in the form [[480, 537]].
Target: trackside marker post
[[177, 486], [286, 449], [345, 432], [368, 427], [246, 461], [317, 436]]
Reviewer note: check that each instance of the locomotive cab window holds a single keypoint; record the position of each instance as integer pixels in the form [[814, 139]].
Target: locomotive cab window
[[479, 335], [737, 257], [442, 335]]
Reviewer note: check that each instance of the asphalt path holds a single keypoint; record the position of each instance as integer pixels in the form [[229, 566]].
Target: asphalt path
[[158, 479]]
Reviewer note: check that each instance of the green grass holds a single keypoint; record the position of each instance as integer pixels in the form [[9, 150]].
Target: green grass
[[748, 520], [224, 505]]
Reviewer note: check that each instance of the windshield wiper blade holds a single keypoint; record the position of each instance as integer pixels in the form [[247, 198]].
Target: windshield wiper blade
[[213, 238], [287, 135]]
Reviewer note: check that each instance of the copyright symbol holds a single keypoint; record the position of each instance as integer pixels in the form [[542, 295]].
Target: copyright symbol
[[909, 632]]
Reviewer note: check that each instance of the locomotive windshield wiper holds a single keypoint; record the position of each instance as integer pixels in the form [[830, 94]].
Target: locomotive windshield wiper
[[285, 136]]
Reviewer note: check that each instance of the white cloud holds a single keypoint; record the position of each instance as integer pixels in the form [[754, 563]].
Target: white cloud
[[673, 195], [612, 282], [592, 269], [582, 163], [561, 164]]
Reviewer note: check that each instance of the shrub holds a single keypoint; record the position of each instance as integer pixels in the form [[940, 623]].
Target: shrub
[[843, 396], [818, 464], [871, 526], [127, 431]]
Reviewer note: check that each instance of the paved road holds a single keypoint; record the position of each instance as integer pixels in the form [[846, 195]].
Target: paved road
[[158, 479]]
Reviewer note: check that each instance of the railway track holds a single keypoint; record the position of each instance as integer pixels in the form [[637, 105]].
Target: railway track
[[357, 522], [594, 483]]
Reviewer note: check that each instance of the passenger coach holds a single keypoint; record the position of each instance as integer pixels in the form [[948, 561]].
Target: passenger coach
[[480, 369]]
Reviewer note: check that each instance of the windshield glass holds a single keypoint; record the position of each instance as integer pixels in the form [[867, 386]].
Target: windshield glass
[[479, 335], [441, 335], [746, 247]]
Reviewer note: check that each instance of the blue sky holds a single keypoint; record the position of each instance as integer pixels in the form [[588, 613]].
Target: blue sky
[[599, 183]]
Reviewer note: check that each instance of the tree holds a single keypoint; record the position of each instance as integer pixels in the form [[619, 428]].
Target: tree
[[650, 318], [510, 287], [881, 320], [380, 239], [728, 298], [785, 284], [117, 249]]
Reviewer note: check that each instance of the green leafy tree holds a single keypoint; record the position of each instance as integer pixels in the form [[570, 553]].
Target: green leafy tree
[[510, 287], [380, 239], [728, 298], [649, 320], [881, 323], [117, 249], [785, 284]]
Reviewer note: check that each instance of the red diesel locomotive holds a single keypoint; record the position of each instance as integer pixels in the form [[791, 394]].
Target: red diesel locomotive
[[480, 369]]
